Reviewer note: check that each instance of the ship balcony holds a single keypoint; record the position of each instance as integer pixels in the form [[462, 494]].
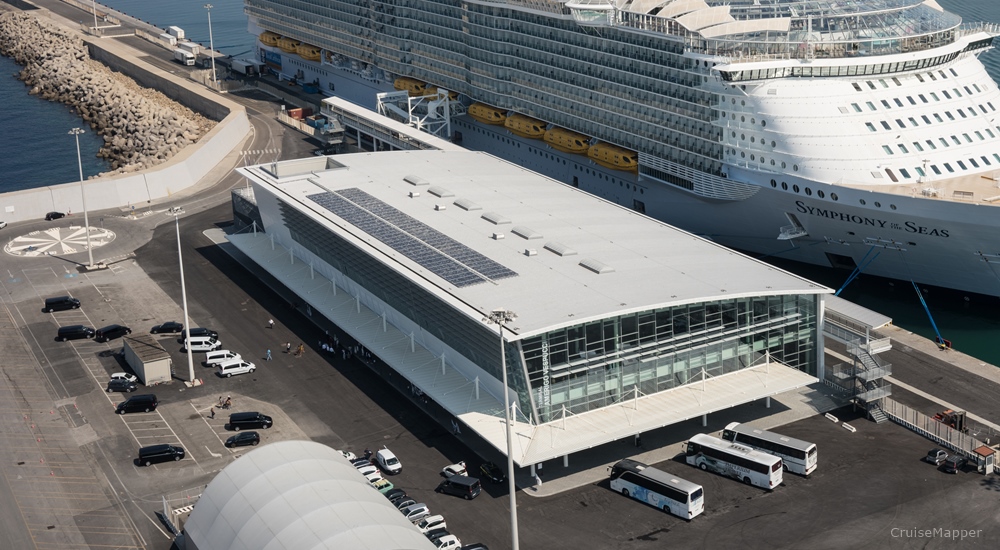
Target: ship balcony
[[790, 232], [592, 13]]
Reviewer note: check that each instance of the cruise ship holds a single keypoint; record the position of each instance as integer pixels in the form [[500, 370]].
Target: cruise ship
[[859, 134]]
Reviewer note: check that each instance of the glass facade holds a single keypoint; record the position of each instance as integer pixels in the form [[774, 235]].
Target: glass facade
[[593, 365]]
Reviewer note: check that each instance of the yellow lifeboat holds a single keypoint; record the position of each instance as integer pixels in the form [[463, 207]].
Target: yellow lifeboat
[[431, 90], [307, 51], [567, 141], [614, 157], [411, 86], [288, 45], [525, 126], [269, 38], [487, 114]]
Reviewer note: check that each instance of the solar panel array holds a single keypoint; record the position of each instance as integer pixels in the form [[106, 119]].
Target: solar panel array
[[435, 251]]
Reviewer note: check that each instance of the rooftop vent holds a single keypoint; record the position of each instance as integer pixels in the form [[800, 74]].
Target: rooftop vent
[[498, 236], [560, 249], [525, 232], [416, 180], [596, 266], [530, 252], [439, 191], [440, 207], [466, 204], [495, 219], [414, 194]]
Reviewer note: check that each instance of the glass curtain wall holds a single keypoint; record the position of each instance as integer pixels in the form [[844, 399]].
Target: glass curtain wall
[[593, 365]]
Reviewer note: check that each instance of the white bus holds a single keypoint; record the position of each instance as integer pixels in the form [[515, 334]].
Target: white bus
[[658, 489], [734, 460], [797, 456]]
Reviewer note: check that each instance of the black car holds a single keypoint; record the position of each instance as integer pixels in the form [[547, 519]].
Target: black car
[[60, 303], [404, 502], [954, 464], [54, 216], [492, 472], [110, 332], [243, 439], [475, 546], [169, 326], [435, 534], [74, 332], [204, 332], [395, 494], [122, 385]]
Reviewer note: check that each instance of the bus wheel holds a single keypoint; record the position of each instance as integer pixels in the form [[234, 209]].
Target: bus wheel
[[784, 466], [746, 480], [703, 466], [625, 492]]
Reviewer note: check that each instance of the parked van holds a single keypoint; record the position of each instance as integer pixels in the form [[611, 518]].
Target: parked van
[[239, 421], [202, 343], [138, 403], [155, 454], [74, 332], [213, 358], [460, 486], [111, 332], [235, 366], [60, 303]]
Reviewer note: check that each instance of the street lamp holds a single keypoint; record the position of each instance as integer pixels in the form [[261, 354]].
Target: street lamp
[[94, 2], [500, 317], [211, 45], [75, 132], [184, 300]]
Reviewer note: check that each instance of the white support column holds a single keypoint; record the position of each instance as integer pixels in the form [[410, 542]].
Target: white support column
[[704, 420], [532, 470], [291, 256], [357, 303], [333, 285], [413, 344], [272, 241], [767, 403], [442, 366], [384, 329], [312, 272], [476, 381], [565, 461], [255, 228]]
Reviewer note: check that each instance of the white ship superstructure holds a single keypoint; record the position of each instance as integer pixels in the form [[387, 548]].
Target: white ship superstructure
[[859, 133]]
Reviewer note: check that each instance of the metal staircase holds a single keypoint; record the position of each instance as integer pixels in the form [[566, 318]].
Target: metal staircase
[[870, 387]]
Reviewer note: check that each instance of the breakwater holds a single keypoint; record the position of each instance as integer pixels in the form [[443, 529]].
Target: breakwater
[[141, 127]]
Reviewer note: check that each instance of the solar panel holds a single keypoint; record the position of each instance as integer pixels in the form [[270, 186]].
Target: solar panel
[[435, 251]]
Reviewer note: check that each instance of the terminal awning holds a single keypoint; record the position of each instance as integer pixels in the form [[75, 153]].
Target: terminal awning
[[481, 411], [860, 315]]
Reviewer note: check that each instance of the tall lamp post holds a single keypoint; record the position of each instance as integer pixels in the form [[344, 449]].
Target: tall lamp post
[[75, 132], [94, 2], [500, 317], [211, 45], [184, 300]]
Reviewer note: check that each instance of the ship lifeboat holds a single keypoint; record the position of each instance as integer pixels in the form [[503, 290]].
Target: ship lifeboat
[[307, 51], [288, 45], [432, 90], [269, 38], [525, 126], [567, 141], [411, 86], [487, 114], [614, 157]]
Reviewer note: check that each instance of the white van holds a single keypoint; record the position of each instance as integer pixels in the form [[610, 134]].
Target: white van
[[202, 343], [235, 366], [213, 358]]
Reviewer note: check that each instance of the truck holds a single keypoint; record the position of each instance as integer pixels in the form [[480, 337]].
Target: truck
[[176, 32], [183, 57], [245, 67], [190, 47]]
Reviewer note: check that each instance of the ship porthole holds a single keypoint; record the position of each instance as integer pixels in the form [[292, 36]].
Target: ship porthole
[[834, 196], [878, 204], [892, 206], [863, 202], [774, 183], [784, 186], [820, 193]]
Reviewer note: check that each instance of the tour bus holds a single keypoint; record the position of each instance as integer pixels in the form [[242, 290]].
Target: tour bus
[[797, 456], [734, 460], [658, 489]]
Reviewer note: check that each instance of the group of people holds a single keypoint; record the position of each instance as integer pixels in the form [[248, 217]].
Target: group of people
[[226, 403], [299, 351]]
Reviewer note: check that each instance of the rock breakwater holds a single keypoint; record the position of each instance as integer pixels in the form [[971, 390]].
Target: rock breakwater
[[141, 127]]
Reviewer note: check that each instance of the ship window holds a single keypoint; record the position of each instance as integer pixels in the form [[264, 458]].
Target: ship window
[[885, 125], [911, 100], [948, 167], [795, 188], [773, 144], [743, 136], [936, 170], [772, 162], [932, 76], [870, 84], [774, 183], [870, 105], [897, 101], [996, 157], [990, 132], [856, 86], [976, 86], [863, 202], [944, 142], [926, 120], [990, 105], [743, 154], [809, 192], [753, 139], [795, 167], [886, 104], [883, 83], [930, 144], [905, 175], [922, 98], [834, 196], [962, 113], [955, 139], [962, 165], [974, 163], [920, 171], [734, 101], [763, 122], [938, 118], [985, 160], [967, 90], [752, 157], [953, 72], [981, 108], [734, 134], [784, 186], [896, 81], [920, 78], [753, 121], [743, 103], [902, 148], [820, 193], [870, 126], [917, 146], [967, 138], [899, 122], [946, 94], [944, 76], [913, 121], [743, 119], [782, 164], [934, 96], [958, 93]]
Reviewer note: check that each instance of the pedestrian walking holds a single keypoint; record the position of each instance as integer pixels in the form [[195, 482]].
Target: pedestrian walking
[[268, 355], [270, 323], [301, 350], [288, 347], [211, 414]]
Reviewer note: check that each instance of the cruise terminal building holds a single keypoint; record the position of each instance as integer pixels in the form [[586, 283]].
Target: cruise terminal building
[[623, 324]]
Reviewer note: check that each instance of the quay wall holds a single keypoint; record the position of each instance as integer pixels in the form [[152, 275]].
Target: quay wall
[[139, 189]]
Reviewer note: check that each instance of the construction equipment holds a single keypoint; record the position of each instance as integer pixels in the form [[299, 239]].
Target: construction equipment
[[952, 419]]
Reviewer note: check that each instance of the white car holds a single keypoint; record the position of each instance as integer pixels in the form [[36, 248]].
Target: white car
[[3, 225], [213, 358], [431, 522], [202, 343], [388, 461], [457, 469], [371, 473], [448, 541], [351, 457], [235, 366], [124, 376], [416, 512]]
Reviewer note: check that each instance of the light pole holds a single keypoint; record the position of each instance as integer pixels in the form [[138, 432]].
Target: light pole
[[184, 300], [75, 132], [211, 46], [94, 2], [500, 317]]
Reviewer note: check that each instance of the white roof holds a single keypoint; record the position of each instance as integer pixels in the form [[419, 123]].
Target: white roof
[[296, 495], [861, 314], [634, 262]]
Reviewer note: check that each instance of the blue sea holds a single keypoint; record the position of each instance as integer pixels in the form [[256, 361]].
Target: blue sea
[[28, 124]]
